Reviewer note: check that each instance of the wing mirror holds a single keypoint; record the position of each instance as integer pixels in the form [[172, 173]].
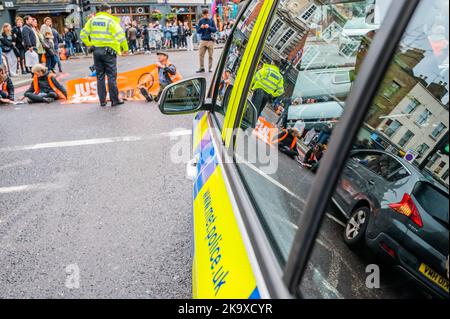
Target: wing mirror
[[184, 97]]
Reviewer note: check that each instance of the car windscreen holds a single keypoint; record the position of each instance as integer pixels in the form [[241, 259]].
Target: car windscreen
[[433, 200]]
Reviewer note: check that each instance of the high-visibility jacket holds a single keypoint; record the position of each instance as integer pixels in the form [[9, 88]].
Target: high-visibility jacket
[[50, 76], [104, 30], [270, 80]]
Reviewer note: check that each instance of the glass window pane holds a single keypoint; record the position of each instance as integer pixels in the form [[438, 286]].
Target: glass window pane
[[234, 57], [386, 231], [298, 94]]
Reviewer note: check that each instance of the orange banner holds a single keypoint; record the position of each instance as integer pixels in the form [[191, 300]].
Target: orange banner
[[265, 130], [85, 90]]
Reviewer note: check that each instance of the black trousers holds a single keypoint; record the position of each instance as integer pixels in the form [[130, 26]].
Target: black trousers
[[106, 65], [39, 98], [260, 99]]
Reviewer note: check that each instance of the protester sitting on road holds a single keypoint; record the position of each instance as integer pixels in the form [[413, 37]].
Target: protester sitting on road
[[45, 88], [6, 87], [313, 157], [167, 73], [287, 142]]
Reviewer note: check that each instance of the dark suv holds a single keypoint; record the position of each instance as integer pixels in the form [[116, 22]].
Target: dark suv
[[399, 213]]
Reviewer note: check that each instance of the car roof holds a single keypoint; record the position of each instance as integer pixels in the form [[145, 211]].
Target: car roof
[[418, 174], [313, 111]]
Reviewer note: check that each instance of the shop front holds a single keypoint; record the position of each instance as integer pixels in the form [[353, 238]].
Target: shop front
[[128, 11], [62, 12]]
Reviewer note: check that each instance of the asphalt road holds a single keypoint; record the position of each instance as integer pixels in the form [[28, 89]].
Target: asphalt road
[[91, 203]]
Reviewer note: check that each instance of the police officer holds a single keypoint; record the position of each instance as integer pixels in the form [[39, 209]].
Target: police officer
[[104, 33], [267, 84]]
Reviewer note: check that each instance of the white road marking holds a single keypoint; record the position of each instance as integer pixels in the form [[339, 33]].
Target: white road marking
[[95, 141], [30, 187], [337, 221], [281, 186]]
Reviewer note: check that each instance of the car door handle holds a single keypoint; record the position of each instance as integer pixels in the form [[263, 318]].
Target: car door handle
[[371, 182]]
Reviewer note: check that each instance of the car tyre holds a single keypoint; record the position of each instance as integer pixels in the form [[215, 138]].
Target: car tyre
[[355, 229]]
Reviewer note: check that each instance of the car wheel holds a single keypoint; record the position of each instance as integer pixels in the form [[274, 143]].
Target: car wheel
[[355, 229]]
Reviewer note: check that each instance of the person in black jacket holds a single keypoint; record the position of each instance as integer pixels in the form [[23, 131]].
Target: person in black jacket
[[18, 39], [28, 36], [45, 88], [6, 87]]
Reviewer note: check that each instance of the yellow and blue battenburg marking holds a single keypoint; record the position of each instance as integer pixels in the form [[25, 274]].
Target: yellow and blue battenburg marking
[[221, 268]]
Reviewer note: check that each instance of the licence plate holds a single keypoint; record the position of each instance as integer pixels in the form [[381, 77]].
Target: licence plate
[[434, 277]]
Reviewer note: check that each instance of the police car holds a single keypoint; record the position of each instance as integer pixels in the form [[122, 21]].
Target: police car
[[265, 226]]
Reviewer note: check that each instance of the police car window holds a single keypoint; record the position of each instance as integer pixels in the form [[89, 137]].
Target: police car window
[[309, 61], [234, 56], [390, 239]]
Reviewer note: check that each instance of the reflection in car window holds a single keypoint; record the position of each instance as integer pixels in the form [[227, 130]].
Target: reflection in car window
[[298, 92], [234, 56], [388, 238]]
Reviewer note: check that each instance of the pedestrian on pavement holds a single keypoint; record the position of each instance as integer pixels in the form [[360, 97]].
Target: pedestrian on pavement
[[45, 88], [145, 39], [50, 53], [132, 39], [168, 36], [167, 74], [57, 40], [68, 42], [18, 40], [159, 36], [39, 40], [47, 26], [6, 87], [76, 42], [175, 35], [105, 34], [29, 41], [268, 83], [206, 28], [9, 49], [188, 37], [138, 36], [182, 35]]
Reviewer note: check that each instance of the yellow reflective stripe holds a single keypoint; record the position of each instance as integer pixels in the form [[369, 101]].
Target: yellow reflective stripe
[[101, 39], [101, 32], [244, 70]]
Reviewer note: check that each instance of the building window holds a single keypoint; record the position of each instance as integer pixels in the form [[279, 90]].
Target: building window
[[392, 127], [289, 33], [412, 106], [445, 175], [438, 130], [309, 56], [423, 118], [422, 149], [308, 13], [392, 90], [274, 30], [406, 138], [433, 160], [439, 169]]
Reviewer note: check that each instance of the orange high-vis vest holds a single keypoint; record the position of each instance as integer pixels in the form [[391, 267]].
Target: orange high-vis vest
[[174, 78], [294, 142], [52, 85]]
